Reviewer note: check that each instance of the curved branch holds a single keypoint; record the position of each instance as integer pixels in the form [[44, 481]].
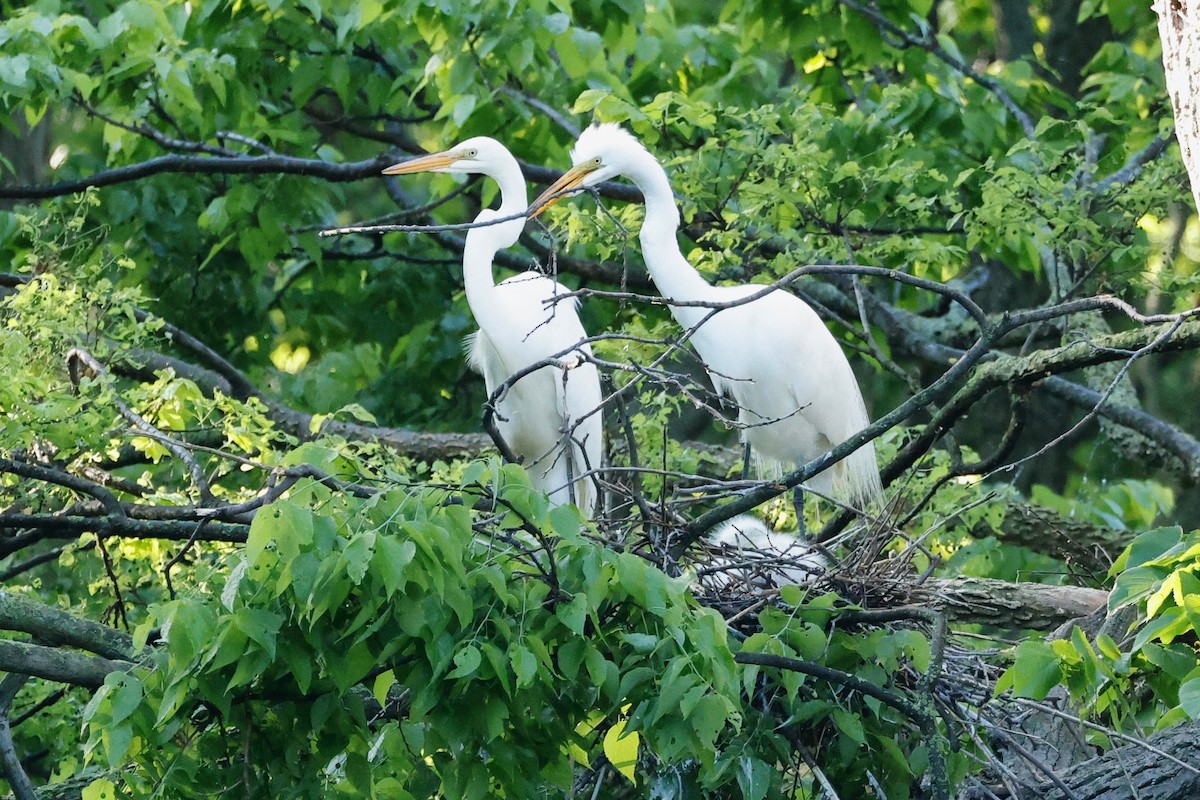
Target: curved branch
[[1181, 444], [1084, 545], [1136, 163], [903, 334], [57, 477], [417, 444], [140, 423]]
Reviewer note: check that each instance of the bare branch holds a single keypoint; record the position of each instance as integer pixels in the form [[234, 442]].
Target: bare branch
[[50, 526], [197, 165]]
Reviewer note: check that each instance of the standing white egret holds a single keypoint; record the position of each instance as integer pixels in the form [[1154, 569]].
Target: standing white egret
[[521, 323], [796, 394]]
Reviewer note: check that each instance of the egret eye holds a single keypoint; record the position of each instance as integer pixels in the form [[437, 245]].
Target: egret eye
[[596, 161], [471, 153]]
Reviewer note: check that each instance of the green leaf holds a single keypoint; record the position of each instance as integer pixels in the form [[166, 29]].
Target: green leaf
[[1147, 547], [383, 684], [621, 750], [1134, 585], [589, 99], [753, 777], [1189, 694], [710, 717], [573, 614], [1175, 660], [125, 697], [1189, 597], [641, 642], [278, 521], [1035, 671], [357, 555], [850, 725], [260, 626], [1172, 622], [300, 664], [792, 595], [525, 665], [13, 71], [100, 789], [466, 662], [117, 739], [390, 560]]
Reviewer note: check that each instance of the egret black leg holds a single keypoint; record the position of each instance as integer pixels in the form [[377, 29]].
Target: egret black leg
[[746, 461], [798, 504]]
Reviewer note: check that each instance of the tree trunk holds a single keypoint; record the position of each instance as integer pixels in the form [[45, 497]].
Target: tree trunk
[[26, 151], [1071, 44], [1179, 28], [1014, 29], [1139, 770]]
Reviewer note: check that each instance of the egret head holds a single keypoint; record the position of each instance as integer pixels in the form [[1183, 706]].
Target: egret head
[[603, 151], [479, 154]]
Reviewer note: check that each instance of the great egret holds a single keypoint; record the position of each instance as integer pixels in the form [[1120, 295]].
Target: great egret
[[754, 554], [522, 321], [796, 394]]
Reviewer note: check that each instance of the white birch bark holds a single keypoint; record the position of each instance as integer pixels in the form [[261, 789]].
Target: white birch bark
[[1179, 29]]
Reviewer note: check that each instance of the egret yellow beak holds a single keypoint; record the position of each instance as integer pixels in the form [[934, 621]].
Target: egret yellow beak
[[423, 163], [572, 179]]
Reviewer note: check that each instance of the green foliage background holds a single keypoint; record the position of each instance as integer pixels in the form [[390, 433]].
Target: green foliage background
[[374, 636]]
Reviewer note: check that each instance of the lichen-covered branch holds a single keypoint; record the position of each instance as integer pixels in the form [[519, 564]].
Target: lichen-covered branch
[[55, 664], [54, 626], [1007, 604]]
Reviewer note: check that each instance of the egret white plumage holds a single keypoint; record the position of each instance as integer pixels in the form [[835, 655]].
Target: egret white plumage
[[522, 321], [754, 553], [797, 396]]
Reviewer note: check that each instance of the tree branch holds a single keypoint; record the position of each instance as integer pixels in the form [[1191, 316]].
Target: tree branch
[[1138, 770], [57, 477], [1089, 546], [58, 665], [50, 526], [176, 163], [1005, 604], [205, 165], [14, 772], [54, 626], [929, 43]]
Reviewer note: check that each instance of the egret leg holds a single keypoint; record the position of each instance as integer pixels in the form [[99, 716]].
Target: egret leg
[[746, 461], [798, 504]]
